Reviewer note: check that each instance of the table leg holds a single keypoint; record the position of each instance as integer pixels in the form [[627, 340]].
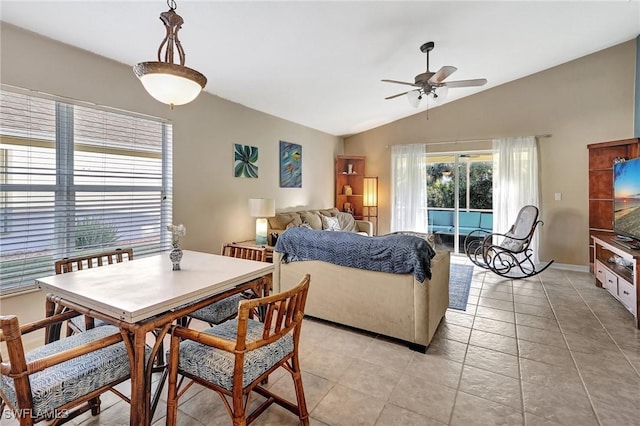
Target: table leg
[[139, 394]]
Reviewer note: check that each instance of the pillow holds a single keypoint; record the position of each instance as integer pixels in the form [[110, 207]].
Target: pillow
[[347, 222], [282, 220], [312, 217], [330, 223], [302, 225]]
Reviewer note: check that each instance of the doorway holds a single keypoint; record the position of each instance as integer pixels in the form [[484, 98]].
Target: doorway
[[459, 197]]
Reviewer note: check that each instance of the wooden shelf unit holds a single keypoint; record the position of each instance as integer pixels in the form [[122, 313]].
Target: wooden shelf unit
[[355, 180], [621, 281], [601, 156]]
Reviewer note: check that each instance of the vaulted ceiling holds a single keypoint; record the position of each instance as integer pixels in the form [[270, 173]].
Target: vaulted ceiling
[[320, 63]]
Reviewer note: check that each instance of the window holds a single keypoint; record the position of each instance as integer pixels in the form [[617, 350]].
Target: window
[[76, 179]]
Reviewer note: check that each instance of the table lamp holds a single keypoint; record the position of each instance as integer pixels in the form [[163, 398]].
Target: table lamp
[[261, 209]]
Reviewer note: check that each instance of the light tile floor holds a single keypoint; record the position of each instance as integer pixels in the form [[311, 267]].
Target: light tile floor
[[550, 350]]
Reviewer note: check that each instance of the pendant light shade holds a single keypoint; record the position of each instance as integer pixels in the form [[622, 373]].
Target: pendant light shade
[[166, 81]]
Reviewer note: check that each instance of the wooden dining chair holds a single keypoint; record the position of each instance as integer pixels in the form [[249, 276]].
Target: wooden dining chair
[[227, 308], [245, 252], [235, 357], [60, 380], [78, 263]]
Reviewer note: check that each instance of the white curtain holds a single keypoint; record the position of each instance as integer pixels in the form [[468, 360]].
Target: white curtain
[[515, 181], [408, 188]]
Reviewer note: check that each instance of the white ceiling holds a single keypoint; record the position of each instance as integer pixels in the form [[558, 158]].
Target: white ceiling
[[320, 63]]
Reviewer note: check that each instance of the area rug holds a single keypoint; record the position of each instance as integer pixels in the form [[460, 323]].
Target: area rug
[[459, 284]]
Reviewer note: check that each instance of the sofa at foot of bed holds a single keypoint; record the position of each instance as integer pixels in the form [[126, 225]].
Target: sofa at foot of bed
[[394, 305]]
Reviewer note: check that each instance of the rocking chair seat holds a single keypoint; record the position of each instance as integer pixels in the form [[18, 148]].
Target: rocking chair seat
[[217, 366], [60, 384], [509, 254]]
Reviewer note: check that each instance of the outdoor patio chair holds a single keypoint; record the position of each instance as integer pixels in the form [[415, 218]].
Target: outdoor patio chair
[[235, 357], [508, 255], [60, 380]]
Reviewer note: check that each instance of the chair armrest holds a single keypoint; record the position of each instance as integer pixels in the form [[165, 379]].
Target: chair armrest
[[37, 325], [60, 357], [365, 226], [13, 337], [204, 338]]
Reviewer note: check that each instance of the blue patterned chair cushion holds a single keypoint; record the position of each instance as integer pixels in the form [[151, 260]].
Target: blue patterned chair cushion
[[78, 322], [219, 311], [65, 382], [216, 366]]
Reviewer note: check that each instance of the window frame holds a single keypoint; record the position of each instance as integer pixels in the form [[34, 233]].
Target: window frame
[[64, 189]]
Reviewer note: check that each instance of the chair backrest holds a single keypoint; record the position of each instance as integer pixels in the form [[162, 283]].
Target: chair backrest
[[70, 264], [283, 312], [243, 252], [519, 235]]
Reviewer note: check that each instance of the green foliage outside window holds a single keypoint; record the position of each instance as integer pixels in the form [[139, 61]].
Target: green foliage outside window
[[441, 185], [95, 232]]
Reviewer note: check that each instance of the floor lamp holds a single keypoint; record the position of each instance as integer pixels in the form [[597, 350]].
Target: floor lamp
[[370, 201]]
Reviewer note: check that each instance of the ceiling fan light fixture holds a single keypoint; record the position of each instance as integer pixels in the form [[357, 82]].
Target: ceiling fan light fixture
[[432, 83], [440, 93], [414, 97], [164, 80]]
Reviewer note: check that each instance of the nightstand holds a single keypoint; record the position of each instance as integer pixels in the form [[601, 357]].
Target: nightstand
[[252, 243]]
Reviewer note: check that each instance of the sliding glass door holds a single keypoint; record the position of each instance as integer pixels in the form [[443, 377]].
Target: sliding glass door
[[459, 196]]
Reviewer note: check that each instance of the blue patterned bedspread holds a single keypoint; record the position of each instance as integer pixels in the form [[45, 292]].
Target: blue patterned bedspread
[[399, 254]]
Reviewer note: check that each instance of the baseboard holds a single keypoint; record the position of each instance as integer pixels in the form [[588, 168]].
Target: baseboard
[[569, 267]]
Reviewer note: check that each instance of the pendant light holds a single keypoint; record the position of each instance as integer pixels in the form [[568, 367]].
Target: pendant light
[[166, 81]]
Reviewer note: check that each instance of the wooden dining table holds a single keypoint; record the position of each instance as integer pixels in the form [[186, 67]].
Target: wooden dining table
[[146, 296]]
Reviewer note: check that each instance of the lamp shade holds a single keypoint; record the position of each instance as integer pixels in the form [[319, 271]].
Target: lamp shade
[[262, 207], [171, 84], [370, 195]]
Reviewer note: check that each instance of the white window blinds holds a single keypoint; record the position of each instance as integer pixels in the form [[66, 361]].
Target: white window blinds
[[76, 179]]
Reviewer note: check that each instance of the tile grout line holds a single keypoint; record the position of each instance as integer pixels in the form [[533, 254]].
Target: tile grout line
[[584, 385], [520, 384]]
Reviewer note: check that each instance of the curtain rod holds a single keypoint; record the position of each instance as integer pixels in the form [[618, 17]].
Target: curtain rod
[[546, 135]]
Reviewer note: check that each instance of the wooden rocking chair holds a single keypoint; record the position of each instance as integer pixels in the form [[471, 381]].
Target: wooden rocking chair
[[509, 254]]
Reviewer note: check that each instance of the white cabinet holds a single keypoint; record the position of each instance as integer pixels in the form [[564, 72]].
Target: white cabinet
[[620, 278]]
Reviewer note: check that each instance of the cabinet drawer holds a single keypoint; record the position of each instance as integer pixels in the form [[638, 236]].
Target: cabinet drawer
[[627, 295], [600, 272], [611, 282]]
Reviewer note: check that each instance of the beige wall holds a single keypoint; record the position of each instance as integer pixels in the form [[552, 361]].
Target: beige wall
[[208, 200], [584, 101]]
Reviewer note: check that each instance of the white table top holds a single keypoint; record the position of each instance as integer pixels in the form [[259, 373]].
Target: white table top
[[142, 288]]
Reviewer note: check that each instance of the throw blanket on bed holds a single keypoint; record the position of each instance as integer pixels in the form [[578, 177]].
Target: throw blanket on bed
[[399, 254]]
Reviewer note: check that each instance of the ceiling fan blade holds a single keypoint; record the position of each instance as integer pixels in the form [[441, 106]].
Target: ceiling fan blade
[[400, 82], [442, 73], [466, 83], [395, 96]]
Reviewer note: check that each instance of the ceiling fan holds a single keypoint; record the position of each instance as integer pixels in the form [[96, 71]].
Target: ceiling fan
[[432, 83]]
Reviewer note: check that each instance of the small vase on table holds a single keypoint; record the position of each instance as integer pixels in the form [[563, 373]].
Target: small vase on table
[[175, 255]]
